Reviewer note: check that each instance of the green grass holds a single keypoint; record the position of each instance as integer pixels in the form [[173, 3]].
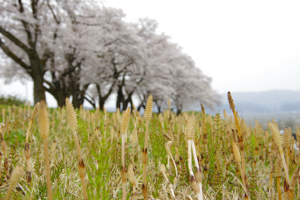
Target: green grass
[[102, 158]]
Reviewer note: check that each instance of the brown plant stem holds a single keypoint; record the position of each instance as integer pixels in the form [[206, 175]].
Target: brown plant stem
[[145, 158], [82, 178], [278, 187], [270, 183], [47, 167], [81, 167], [286, 190], [123, 168], [285, 167]]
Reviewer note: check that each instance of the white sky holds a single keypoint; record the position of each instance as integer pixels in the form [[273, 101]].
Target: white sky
[[242, 45]]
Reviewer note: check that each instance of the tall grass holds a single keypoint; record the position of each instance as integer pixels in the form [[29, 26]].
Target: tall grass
[[96, 155]]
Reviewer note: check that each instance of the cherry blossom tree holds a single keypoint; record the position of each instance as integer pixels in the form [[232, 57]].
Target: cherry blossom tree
[[118, 57], [24, 30], [88, 52], [74, 50]]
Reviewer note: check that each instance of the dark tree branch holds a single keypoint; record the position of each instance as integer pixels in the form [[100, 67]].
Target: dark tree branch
[[15, 40], [48, 90], [104, 97], [53, 14], [34, 8], [72, 69], [28, 33], [36, 34], [110, 90], [98, 90], [50, 85], [109, 43], [46, 55], [92, 102], [21, 10], [85, 87], [13, 56]]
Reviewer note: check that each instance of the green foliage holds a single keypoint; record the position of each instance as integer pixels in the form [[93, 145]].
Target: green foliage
[[11, 100]]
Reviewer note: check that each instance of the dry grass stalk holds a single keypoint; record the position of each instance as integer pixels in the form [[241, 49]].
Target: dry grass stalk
[[3, 148], [112, 135], [162, 169], [34, 113], [237, 157], [278, 172], [105, 121], [0, 164], [44, 132], [124, 126], [53, 146], [271, 183], [261, 148], [196, 183], [15, 177], [27, 145], [1, 133], [132, 180], [286, 146], [6, 167], [205, 139], [3, 115], [147, 115], [134, 141], [240, 142], [293, 184], [298, 142], [279, 142], [72, 120], [168, 149]]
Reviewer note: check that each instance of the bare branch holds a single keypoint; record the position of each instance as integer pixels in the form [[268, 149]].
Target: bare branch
[[13, 56], [15, 40], [53, 14]]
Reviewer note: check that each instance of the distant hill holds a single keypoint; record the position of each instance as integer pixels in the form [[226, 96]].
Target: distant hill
[[263, 102], [266, 102]]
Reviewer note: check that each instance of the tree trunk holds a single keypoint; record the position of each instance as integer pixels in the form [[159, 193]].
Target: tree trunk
[[178, 111], [104, 97], [159, 109], [131, 104], [120, 97], [75, 91], [125, 105], [38, 90], [101, 103], [76, 100], [59, 92], [37, 77], [78, 95], [158, 106], [60, 98], [127, 101]]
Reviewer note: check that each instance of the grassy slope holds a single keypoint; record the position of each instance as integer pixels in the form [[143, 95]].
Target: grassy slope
[[102, 158]]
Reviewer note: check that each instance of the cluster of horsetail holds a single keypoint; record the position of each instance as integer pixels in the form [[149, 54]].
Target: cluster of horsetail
[[68, 153]]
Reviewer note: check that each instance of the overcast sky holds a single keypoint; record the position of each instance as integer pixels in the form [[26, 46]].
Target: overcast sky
[[242, 45]]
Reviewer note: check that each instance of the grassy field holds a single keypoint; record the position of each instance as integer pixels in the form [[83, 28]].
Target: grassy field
[[115, 157]]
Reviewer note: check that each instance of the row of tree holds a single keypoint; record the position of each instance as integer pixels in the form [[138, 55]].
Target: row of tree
[[87, 51]]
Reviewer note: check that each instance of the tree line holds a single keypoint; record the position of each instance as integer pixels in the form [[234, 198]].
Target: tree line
[[87, 51]]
